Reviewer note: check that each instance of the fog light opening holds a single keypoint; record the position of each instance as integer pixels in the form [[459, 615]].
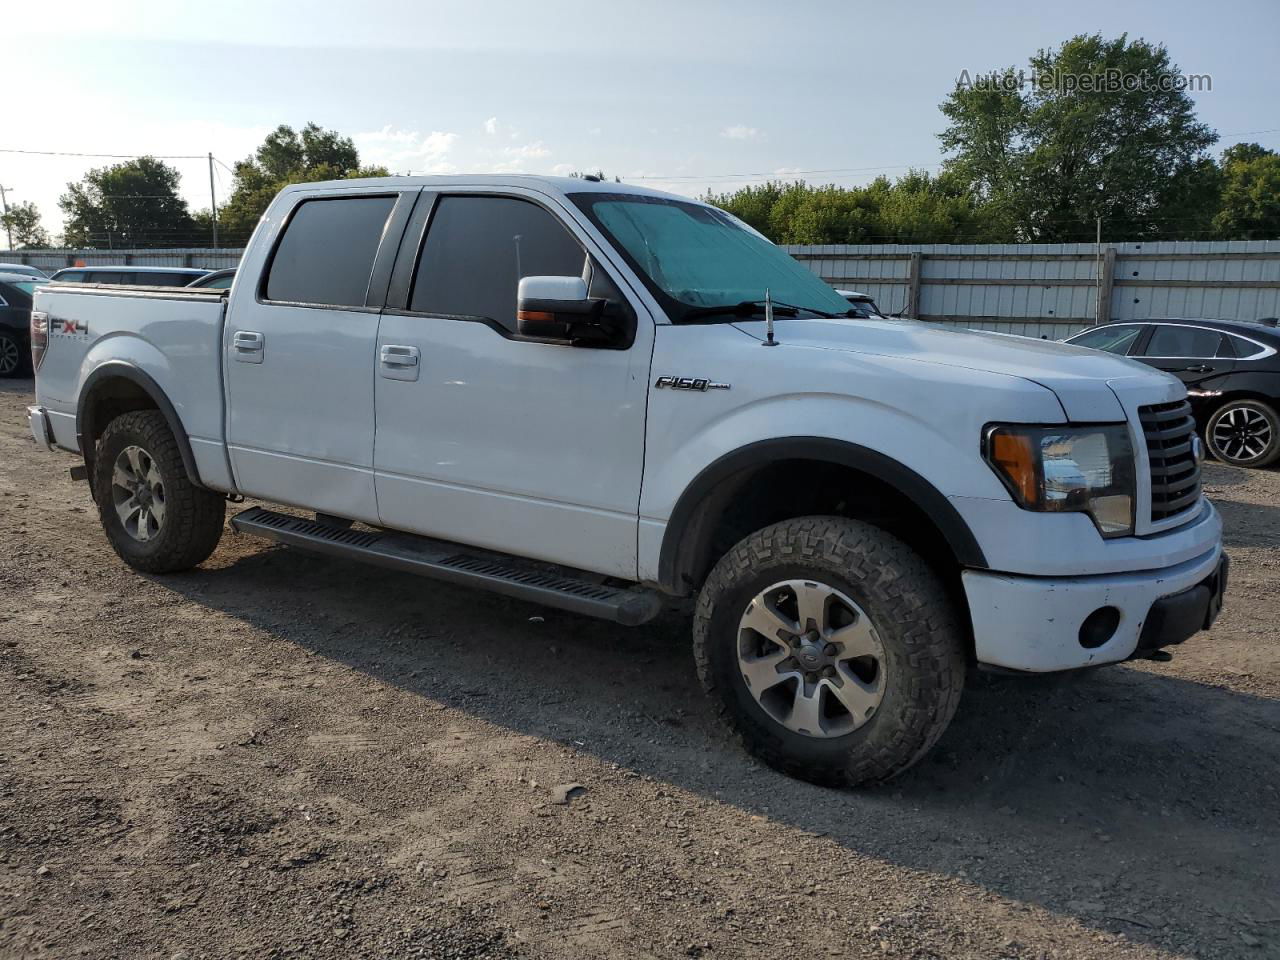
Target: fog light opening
[[1099, 627]]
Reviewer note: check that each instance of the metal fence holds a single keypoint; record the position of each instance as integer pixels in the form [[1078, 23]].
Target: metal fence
[[1035, 289], [50, 260], [1054, 290]]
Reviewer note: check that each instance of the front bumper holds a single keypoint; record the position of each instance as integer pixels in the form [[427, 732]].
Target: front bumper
[[1035, 623], [38, 421]]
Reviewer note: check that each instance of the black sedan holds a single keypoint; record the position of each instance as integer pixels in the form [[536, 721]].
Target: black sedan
[[15, 323], [1231, 369]]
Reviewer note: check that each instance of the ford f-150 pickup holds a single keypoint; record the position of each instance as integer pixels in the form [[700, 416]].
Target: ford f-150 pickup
[[607, 399]]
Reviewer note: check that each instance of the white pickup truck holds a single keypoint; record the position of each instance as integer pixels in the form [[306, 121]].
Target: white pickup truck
[[605, 399]]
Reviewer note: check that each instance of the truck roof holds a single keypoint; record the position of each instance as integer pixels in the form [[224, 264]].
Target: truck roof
[[548, 184]]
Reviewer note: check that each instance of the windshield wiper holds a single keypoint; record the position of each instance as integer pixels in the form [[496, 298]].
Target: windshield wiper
[[748, 308]]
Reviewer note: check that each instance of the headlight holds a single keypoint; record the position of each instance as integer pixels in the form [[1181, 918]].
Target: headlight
[[1067, 469]]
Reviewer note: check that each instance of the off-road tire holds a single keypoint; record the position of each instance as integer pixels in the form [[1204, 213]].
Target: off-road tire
[[915, 620], [1252, 408], [14, 360], [194, 516]]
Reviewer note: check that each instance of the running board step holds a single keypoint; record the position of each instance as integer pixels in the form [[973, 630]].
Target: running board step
[[464, 566]]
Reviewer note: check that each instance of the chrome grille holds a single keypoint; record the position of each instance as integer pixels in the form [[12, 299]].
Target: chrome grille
[[1175, 473]]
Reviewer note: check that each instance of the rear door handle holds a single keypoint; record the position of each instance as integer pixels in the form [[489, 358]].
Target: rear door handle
[[1199, 368], [248, 346], [399, 362]]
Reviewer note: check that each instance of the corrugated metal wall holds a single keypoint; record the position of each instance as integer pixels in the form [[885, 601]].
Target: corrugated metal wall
[[1052, 289], [50, 260], [1033, 289]]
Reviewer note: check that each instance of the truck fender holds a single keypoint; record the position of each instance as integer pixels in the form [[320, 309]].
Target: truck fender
[[924, 494], [121, 369]]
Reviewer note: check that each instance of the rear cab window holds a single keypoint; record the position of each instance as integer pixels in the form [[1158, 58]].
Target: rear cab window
[[327, 252]]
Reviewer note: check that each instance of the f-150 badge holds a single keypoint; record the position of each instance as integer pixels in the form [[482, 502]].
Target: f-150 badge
[[689, 383]]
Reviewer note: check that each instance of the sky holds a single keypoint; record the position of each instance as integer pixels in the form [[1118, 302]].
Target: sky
[[683, 96]]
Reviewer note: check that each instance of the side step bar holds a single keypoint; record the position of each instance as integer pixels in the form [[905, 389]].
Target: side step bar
[[464, 566]]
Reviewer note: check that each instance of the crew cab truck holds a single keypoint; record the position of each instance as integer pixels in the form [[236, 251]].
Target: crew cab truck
[[605, 398]]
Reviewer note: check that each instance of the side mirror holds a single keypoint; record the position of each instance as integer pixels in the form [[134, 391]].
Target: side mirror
[[557, 308]]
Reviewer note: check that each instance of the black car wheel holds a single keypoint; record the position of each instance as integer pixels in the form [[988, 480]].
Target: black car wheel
[[1244, 433], [13, 359]]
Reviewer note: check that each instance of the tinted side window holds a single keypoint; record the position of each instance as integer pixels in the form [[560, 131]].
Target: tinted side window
[[1192, 342], [479, 248], [1240, 347], [105, 276], [161, 279], [1111, 339], [327, 251]]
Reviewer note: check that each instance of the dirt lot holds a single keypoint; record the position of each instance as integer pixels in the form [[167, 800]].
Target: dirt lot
[[282, 756]]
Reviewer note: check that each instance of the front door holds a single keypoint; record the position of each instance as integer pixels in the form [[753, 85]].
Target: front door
[[483, 438], [299, 353]]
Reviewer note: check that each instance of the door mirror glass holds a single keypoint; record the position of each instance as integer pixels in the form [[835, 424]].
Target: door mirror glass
[[558, 308]]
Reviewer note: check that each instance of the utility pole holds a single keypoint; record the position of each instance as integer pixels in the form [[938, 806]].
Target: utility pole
[[4, 202], [213, 204], [1097, 302]]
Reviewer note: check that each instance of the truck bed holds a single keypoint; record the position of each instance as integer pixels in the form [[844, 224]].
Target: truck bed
[[173, 335]]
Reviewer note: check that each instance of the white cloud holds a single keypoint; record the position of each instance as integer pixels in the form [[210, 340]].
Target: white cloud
[[491, 126], [740, 132], [402, 150]]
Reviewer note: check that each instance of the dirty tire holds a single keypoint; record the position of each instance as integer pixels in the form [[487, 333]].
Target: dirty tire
[[913, 616], [194, 516]]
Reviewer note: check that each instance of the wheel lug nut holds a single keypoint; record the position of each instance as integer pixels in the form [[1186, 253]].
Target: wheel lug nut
[[829, 649], [811, 677]]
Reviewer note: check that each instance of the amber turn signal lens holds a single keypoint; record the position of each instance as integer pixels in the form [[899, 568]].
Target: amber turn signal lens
[[1014, 455]]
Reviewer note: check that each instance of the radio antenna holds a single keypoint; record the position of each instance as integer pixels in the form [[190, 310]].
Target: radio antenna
[[768, 320]]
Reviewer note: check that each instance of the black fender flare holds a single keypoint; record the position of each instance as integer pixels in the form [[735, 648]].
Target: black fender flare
[[124, 370], [924, 494]]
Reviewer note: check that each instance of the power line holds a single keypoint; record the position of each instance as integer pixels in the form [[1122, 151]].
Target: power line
[[109, 156]]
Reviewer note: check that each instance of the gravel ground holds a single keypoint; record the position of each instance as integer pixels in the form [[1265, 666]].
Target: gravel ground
[[279, 755]]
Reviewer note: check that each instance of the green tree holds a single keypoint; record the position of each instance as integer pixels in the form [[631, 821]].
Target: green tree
[[1078, 141], [22, 221], [130, 204], [284, 157], [916, 208], [1250, 207]]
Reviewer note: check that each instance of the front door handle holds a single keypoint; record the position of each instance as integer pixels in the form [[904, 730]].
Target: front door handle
[[1198, 368], [399, 362], [248, 346]]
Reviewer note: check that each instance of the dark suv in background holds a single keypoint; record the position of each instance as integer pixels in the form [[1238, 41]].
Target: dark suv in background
[[1231, 369]]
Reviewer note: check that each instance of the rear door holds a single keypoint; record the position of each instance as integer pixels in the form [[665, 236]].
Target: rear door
[[299, 354], [485, 438], [1195, 355]]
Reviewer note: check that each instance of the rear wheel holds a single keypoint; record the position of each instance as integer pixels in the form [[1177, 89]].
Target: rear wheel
[[831, 648], [13, 359], [156, 519], [1244, 433]]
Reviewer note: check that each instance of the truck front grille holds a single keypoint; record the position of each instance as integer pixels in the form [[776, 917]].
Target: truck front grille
[[1175, 473]]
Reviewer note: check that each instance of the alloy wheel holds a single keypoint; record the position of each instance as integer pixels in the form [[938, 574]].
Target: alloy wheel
[[1242, 433], [137, 492], [811, 658], [10, 356]]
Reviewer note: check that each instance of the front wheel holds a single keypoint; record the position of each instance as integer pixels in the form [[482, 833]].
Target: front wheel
[[157, 520], [1244, 433], [831, 648]]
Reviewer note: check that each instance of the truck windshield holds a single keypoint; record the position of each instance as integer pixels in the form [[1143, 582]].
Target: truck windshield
[[696, 259]]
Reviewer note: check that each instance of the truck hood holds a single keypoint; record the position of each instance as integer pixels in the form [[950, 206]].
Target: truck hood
[[1085, 381]]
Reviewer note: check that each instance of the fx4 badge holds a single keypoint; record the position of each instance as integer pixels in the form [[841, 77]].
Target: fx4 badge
[[689, 383]]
